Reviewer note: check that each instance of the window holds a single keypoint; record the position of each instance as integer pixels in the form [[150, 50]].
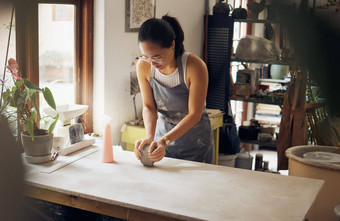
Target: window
[[5, 20], [7, 38], [62, 12], [55, 49]]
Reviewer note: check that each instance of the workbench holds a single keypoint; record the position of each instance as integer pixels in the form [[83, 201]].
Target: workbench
[[132, 133], [171, 190]]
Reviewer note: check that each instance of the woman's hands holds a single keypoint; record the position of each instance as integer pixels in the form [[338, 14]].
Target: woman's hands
[[156, 151], [139, 144]]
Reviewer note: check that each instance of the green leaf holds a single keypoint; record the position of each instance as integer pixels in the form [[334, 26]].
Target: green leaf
[[19, 83], [33, 99], [5, 95], [49, 97], [52, 126], [30, 128], [21, 99], [31, 86], [11, 102], [16, 97], [33, 117], [4, 106]]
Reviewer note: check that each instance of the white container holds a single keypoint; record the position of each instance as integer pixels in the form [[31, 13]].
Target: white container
[[226, 160], [244, 161]]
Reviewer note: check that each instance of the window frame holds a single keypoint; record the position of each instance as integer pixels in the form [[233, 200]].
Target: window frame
[[27, 48]]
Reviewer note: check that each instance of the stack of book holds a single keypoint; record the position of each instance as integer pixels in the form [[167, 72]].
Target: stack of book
[[268, 114]]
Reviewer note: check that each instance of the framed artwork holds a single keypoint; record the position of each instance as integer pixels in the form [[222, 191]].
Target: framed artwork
[[138, 11]]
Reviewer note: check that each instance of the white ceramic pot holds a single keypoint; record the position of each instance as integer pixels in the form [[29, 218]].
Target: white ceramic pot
[[40, 146]]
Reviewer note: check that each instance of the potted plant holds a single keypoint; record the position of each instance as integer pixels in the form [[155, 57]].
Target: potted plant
[[20, 97]]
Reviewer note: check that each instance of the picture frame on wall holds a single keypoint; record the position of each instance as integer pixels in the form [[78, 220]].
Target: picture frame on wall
[[138, 11]]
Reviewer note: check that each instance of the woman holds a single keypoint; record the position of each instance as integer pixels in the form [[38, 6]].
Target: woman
[[173, 86]]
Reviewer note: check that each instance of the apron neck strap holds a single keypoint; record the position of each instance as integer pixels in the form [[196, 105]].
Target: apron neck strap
[[180, 69]]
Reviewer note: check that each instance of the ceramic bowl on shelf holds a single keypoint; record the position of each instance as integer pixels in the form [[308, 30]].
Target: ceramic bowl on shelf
[[279, 71], [239, 13]]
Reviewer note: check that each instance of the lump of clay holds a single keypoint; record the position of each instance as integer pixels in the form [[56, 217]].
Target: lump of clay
[[145, 159]]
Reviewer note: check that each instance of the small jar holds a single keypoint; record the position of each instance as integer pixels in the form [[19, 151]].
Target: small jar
[[265, 165], [258, 161]]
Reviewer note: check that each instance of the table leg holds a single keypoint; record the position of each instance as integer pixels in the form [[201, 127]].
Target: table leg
[[216, 143]]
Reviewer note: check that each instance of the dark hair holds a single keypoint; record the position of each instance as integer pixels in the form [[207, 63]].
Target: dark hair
[[163, 32]]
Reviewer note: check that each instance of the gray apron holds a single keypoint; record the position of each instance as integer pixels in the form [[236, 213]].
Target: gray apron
[[172, 106]]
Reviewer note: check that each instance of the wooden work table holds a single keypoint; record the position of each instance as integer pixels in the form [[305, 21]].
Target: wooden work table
[[171, 190]]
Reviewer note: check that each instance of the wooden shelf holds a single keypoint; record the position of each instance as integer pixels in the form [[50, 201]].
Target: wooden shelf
[[265, 144], [256, 100], [256, 21], [269, 80], [280, 62]]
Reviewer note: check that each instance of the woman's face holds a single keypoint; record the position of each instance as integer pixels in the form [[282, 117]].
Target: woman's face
[[156, 55]]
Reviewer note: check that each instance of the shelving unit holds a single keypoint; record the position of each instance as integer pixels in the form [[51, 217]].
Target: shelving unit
[[261, 99]]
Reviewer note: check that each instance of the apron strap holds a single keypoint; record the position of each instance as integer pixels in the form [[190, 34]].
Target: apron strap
[[180, 69], [152, 74]]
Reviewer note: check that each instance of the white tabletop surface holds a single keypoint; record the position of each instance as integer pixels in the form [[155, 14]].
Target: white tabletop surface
[[181, 189]]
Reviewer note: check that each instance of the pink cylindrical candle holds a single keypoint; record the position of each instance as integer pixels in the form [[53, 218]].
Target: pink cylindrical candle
[[107, 156]]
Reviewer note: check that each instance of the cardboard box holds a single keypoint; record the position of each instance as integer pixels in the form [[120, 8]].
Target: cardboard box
[[250, 77], [241, 90]]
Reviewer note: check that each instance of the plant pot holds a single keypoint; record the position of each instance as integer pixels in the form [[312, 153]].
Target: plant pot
[[40, 146]]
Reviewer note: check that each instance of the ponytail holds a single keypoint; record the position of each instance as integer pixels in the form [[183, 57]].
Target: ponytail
[[179, 47], [163, 32]]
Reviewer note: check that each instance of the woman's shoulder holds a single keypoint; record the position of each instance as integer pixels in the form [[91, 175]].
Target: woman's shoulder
[[143, 68], [195, 63]]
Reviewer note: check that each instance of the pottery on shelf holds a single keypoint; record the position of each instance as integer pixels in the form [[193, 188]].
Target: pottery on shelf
[[279, 71], [222, 8], [239, 13], [255, 8]]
